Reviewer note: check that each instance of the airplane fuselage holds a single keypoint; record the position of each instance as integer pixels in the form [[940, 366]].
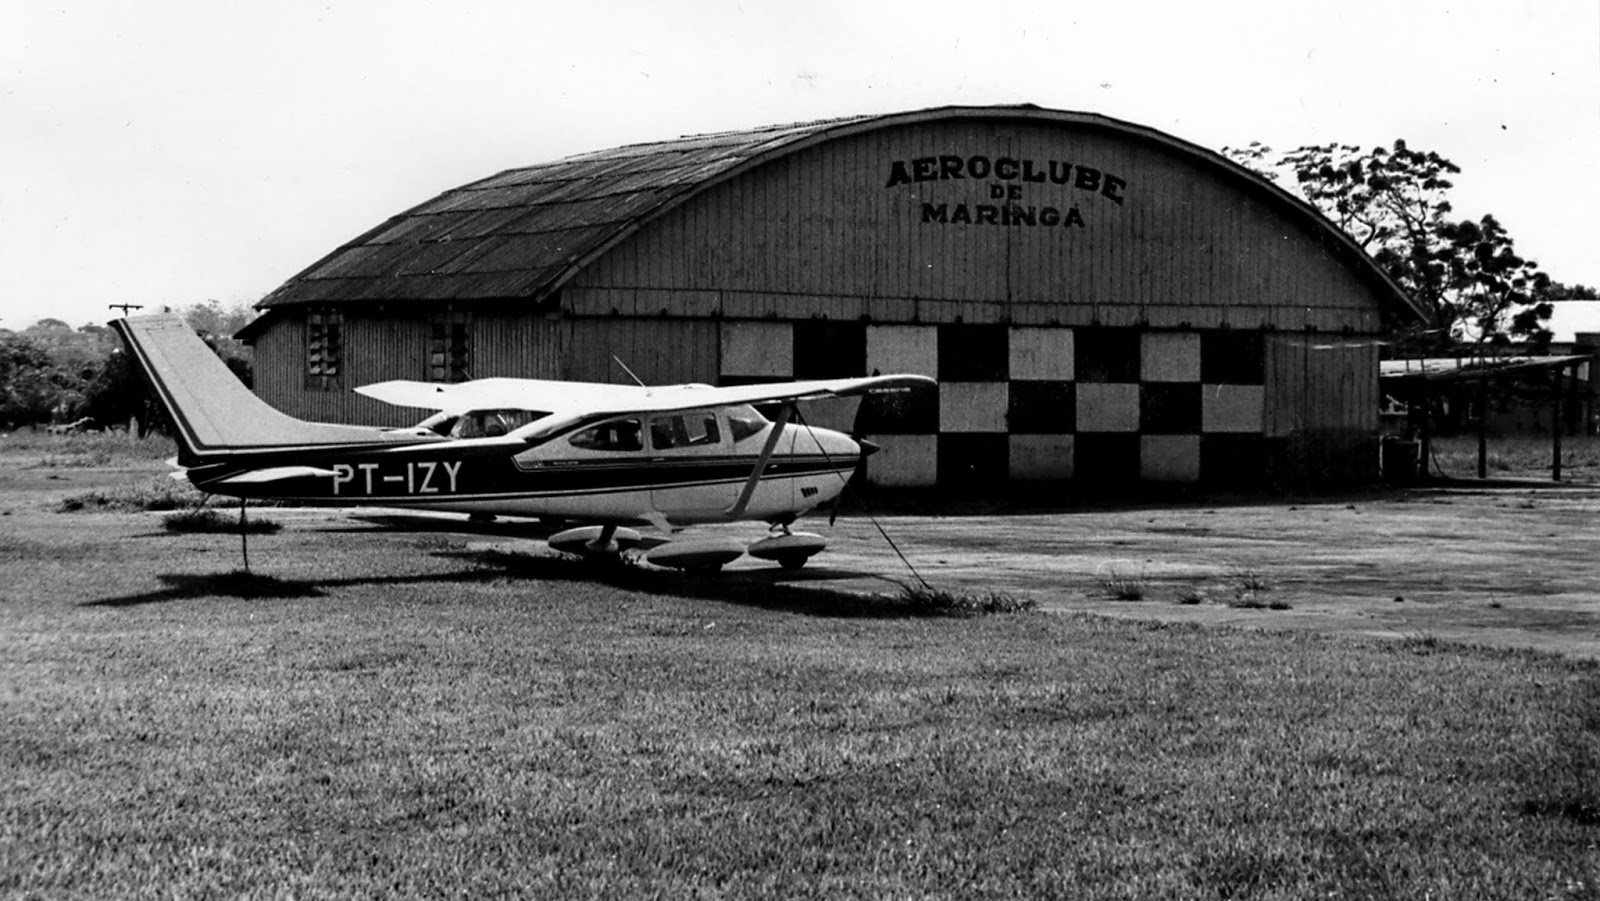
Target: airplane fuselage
[[622, 469]]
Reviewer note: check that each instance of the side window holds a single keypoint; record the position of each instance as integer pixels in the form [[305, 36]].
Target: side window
[[687, 430], [616, 435]]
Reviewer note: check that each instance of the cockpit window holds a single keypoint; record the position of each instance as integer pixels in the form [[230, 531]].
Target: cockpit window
[[744, 422], [684, 430], [616, 435], [493, 423]]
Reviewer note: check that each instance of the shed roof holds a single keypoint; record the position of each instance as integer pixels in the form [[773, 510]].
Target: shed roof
[[1467, 369], [522, 233]]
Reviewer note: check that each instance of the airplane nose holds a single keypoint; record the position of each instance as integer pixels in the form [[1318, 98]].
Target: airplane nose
[[867, 447]]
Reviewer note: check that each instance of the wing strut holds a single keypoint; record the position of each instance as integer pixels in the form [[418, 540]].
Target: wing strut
[[749, 491]]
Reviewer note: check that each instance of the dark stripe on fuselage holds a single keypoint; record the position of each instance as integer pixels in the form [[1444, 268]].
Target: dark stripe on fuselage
[[402, 477]]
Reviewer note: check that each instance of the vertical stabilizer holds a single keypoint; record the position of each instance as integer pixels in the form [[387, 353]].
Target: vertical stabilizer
[[215, 414]]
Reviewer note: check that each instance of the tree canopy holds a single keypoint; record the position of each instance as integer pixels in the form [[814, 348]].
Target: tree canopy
[[50, 372], [1395, 203]]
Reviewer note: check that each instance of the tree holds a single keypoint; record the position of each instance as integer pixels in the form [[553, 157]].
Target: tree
[[217, 325], [1394, 203], [33, 388], [118, 393]]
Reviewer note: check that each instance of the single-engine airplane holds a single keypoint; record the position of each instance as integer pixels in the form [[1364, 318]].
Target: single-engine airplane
[[607, 457]]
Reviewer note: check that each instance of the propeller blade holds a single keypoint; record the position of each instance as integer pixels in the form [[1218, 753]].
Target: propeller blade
[[867, 449]]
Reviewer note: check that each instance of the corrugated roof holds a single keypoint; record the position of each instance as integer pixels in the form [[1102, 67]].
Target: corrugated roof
[[521, 233], [518, 233], [1444, 369]]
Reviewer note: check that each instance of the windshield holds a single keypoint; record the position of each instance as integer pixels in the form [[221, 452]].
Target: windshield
[[744, 421]]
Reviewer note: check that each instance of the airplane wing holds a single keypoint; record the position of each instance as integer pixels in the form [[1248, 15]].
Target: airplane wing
[[671, 398], [499, 393], [689, 397], [587, 399]]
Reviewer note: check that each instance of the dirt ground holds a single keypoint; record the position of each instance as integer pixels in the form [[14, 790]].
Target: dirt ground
[[1505, 566], [1512, 566]]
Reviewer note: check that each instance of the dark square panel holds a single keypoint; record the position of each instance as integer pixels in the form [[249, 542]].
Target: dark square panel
[[1105, 459], [826, 349], [1041, 408], [1106, 354], [725, 381], [973, 461], [1233, 358], [1236, 461], [974, 353], [914, 412], [1169, 408]]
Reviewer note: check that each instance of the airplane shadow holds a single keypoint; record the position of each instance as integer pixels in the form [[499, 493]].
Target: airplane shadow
[[236, 584], [802, 591]]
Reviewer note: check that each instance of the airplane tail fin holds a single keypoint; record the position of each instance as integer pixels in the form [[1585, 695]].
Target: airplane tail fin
[[215, 414]]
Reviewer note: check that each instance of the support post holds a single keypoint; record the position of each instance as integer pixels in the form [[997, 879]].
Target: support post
[[1555, 425], [244, 535], [1483, 428], [1426, 427]]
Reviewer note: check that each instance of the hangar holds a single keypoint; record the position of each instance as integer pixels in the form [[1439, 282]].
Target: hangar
[[1102, 303]]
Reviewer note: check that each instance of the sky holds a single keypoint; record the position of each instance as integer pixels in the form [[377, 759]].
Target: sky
[[166, 153]]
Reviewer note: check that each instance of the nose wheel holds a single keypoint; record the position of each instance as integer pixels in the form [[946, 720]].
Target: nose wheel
[[789, 550]]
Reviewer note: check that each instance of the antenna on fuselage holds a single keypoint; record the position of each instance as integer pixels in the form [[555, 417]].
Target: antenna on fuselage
[[630, 374]]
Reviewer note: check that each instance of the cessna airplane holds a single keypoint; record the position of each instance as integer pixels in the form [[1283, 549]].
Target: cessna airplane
[[609, 457]]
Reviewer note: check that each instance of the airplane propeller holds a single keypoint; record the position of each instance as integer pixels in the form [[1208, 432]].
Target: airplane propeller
[[858, 476]]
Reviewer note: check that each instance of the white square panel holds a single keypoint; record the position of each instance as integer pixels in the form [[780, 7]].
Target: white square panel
[[903, 348], [1041, 354], [758, 349], [1169, 357], [1232, 408]]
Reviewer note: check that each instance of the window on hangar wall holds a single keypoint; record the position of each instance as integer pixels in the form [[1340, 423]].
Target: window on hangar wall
[[324, 348], [450, 346]]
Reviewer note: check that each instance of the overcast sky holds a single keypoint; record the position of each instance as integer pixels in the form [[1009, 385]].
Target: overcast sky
[[165, 152]]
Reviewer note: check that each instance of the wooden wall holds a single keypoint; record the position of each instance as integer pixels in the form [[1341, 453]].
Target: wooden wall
[[1321, 408], [382, 347], [824, 234]]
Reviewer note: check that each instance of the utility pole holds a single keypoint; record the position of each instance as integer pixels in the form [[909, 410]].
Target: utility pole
[[124, 307]]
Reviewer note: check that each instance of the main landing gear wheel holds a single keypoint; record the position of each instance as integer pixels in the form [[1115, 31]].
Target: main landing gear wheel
[[594, 541], [696, 555], [790, 550]]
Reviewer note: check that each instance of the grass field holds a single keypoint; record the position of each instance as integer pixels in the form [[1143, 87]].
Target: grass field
[[412, 715]]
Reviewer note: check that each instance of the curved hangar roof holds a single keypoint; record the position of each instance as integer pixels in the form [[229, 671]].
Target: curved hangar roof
[[523, 233]]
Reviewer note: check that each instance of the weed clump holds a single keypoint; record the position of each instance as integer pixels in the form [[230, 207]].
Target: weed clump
[[922, 600], [1248, 587], [1122, 586], [154, 494], [198, 520]]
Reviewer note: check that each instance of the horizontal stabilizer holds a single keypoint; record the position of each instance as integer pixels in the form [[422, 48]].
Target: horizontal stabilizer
[[275, 474]]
